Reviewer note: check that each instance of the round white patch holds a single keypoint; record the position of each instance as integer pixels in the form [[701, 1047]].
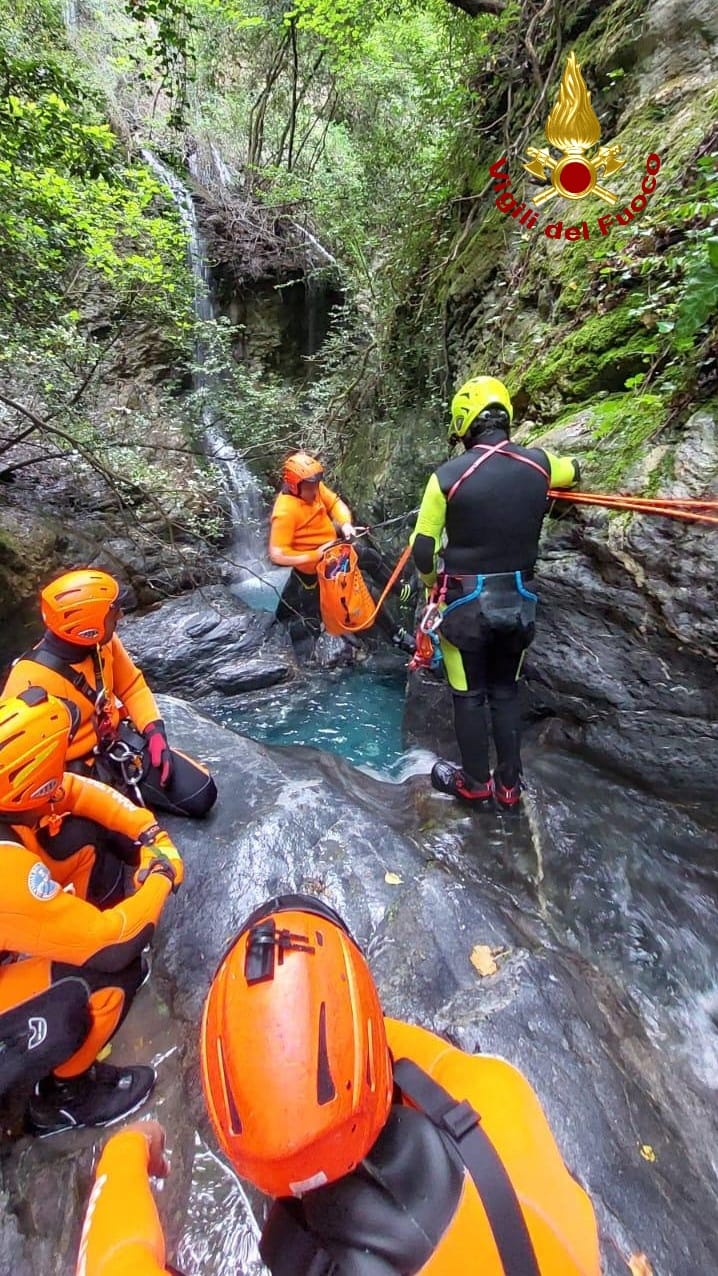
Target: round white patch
[[40, 883]]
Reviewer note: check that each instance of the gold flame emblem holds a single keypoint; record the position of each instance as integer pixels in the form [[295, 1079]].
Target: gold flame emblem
[[573, 128]]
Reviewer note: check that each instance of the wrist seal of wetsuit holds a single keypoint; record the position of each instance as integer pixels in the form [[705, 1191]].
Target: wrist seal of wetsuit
[[171, 869], [576, 471]]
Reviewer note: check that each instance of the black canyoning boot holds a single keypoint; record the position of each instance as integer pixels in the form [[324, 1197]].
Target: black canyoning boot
[[448, 778], [99, 1096]]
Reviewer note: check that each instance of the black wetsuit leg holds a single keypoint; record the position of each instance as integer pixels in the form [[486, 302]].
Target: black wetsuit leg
[[298, 607], [42, 1032], [503, 665], [191, 790], [470, 720]]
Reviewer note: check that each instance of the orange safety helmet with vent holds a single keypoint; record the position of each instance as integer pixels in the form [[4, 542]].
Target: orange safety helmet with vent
[[295, 1064], [76, 605], [35, 730], [300, 468]]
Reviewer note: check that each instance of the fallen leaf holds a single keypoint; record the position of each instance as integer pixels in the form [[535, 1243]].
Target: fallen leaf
[[393, 879], [638, 1265], [104, 1053], [481, 959], [647, 1152]]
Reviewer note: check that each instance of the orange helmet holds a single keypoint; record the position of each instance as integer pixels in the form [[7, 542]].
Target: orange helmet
[[298, 468], [75, 606], [35, 730], [295, 1065]]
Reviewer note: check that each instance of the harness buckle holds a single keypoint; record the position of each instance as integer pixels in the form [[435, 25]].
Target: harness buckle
[[460, 1119]]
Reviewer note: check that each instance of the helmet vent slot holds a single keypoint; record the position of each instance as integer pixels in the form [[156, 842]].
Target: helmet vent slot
[[326, 1090]]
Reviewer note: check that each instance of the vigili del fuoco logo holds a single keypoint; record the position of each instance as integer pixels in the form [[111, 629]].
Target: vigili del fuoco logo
[[581, 168]]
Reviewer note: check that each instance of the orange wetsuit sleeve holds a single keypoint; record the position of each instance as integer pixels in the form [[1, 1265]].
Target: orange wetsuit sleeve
[[91, 800], [334, 505], [282, 538], [122, 1233], [129, 685], [40, 919]]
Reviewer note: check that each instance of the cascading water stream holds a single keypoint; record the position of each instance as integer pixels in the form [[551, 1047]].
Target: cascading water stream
[[246, 553]]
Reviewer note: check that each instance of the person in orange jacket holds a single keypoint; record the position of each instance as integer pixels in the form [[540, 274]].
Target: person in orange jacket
[[308, 517], [121, 738], [388, 1151], [68, 971]]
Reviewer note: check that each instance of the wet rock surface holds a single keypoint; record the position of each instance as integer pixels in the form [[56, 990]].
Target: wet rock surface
[[601, 903], [208, 641]]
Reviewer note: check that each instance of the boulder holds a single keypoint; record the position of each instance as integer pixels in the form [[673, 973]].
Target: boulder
[[596, 900]]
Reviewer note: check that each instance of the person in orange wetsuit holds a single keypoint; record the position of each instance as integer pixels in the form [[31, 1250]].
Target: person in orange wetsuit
[[308, 517], [68, 971], [388, 1151], [121, 738]]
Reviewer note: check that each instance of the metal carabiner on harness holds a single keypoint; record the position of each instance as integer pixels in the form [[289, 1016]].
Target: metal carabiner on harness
[[431, 619], [130, 764]]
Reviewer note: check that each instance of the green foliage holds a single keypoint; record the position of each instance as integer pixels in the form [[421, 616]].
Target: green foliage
[[71, 207], [168, 30]]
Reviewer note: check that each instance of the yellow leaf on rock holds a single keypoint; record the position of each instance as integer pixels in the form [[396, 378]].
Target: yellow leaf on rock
[[638, 1265], [104, 1053], [482, 959], [647, 1152], [393, 879]]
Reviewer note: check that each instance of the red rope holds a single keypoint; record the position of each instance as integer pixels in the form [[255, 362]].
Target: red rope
[[688, 509]]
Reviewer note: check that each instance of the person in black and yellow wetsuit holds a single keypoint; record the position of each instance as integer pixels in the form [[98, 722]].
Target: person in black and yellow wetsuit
[[121, 739], [68, 971], [388, 1151], [489, 503], [306, 518]]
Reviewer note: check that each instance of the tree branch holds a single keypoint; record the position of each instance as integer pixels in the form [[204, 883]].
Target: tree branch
[[475, 7]]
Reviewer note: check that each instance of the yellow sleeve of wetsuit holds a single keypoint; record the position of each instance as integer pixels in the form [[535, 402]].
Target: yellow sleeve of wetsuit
[[430, 523], [338, 512], [122, 1233], [564, 470], [129, 685]]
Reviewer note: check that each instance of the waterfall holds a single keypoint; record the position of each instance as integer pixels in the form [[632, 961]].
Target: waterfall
[[69, 16], [251, 576]]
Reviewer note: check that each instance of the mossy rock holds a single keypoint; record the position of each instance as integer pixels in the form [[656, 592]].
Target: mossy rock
[[611, 436]]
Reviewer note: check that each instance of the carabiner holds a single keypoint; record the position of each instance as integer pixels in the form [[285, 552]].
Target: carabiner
[[431, 619]]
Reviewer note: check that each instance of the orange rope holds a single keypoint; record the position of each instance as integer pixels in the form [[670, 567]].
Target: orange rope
[[690, 510], [353, 629]]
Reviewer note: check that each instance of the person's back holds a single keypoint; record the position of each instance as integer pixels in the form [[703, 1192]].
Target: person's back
[[358, 1126], [487, 505], [494, 512], [412, 1205]]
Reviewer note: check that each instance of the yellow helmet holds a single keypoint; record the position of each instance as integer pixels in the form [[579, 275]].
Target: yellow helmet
[[35, 730], [472, 398]]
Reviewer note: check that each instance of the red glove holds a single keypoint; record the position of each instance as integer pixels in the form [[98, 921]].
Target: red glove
[[160, 754]]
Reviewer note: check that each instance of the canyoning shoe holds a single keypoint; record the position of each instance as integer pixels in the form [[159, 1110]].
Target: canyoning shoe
[[402, 639], [99, 1096], [507, 795], [448, 778]]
